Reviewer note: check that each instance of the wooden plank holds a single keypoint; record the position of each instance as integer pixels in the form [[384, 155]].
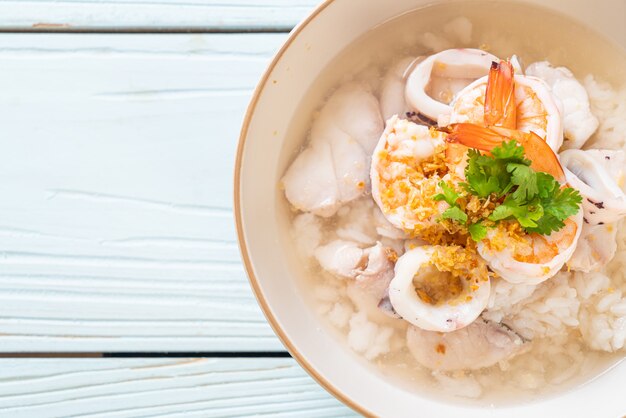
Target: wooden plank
[[153, 14], [186, 387], [116, 231]]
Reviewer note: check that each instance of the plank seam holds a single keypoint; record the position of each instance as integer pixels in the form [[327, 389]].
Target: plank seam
[[181, 354], [146, 30], [212, 354]]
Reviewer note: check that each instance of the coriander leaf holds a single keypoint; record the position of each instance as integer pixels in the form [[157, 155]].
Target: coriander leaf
[[491, 174], [525, 178], [563, 203], [546, 225], [455, 213], [558, 204], [501, 212], [474, 172], [526, 214], [546, 185], [479, 176], [509, 150], [449, 195], [477, 231], [486, 187]]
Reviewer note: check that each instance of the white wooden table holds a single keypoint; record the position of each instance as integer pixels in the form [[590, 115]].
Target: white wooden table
[[118, 124]]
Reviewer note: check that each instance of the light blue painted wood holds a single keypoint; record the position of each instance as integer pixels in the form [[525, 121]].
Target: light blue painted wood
[[116, 230], [153, 14], [184, 387]]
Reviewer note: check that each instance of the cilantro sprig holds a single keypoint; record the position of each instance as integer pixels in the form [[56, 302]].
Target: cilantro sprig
[[535, 199], [455, 213], [478, 231], [450, 196], [496, 173]]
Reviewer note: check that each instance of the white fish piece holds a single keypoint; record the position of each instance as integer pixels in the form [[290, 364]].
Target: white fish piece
[[334, 168], [597, 174], [353, 110], [369, 292], [578, 121], [418, 307], [433, 84], [481, 344], [310, 182], [340, 257], [349, 164], [378, 272], [371, 268]]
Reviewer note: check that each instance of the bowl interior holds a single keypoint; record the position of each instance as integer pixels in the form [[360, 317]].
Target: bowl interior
[[266, 147]]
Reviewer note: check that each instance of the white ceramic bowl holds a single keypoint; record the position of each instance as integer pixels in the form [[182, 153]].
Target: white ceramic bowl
[[271, 263]]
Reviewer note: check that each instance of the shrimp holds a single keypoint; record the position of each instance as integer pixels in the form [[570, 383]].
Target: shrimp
[[517, 256], [411, 160], [481, 344], [522, 258], [407, 165], [485, 139], [435, 81], [439, 288], [510, 101]]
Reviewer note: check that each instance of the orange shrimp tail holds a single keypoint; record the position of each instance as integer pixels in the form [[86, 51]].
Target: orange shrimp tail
[[500, 106], [485, 139], [474, 136]]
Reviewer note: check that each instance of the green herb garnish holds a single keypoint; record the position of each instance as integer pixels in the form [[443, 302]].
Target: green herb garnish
[[454, 212], [449, 195], [478, 231], [536, 200]]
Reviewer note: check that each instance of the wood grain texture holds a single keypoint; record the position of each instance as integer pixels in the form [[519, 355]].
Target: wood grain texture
[[116, 232], [153, 14], [128, 388]]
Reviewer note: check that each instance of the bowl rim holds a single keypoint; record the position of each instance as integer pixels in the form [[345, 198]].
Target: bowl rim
[[243, 248]]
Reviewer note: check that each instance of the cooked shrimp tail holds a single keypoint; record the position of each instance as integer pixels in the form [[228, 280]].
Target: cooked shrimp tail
[[485, 139], [474, 136], [500, 106]]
